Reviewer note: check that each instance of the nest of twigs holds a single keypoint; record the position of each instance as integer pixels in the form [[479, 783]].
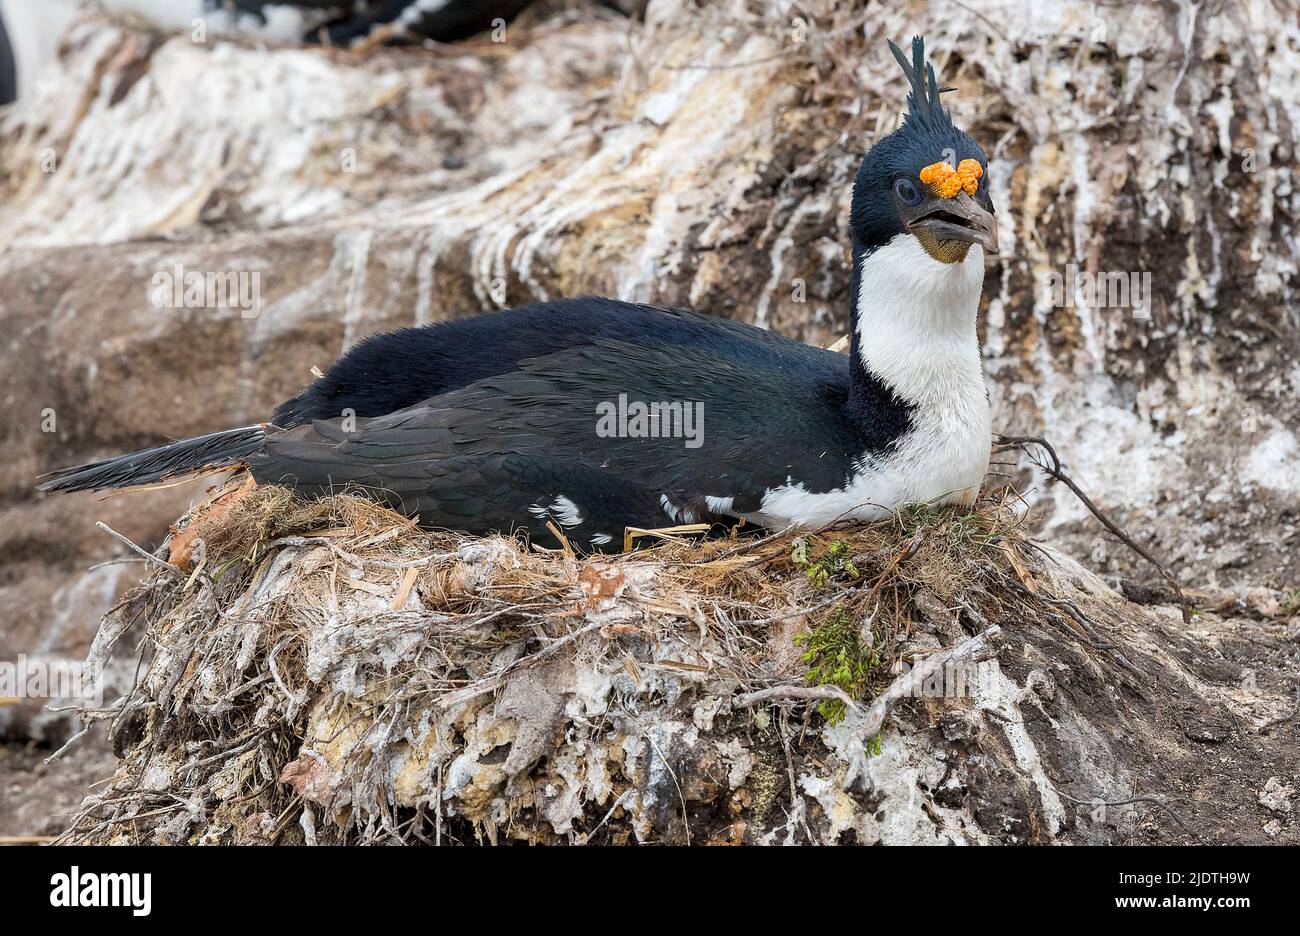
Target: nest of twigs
[[327, 672]]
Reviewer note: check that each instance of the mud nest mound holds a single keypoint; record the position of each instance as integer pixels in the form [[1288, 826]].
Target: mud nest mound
[[327, 672]]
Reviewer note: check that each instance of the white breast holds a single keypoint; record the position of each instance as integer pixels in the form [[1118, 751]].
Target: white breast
[[916, 332]]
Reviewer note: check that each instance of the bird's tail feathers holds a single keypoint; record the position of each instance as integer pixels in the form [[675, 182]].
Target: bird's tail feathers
[[188, 456]]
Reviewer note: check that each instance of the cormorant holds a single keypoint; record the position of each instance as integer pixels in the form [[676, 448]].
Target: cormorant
[[596, 415]]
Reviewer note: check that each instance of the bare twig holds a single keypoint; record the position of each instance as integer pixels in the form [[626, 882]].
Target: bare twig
[[799, 612], [1053, 469], [798, 693], [143, 553], [1152, 800], [908, 685], [67, 744], [971, 649]]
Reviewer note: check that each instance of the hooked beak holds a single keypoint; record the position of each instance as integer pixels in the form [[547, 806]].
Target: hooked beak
[[956, 219]]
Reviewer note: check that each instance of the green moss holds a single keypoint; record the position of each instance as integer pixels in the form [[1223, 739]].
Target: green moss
[[968, 528], [836, 655], [834, 562]]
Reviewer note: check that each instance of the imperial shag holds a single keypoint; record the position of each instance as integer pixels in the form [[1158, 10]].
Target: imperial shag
[[593, 415]]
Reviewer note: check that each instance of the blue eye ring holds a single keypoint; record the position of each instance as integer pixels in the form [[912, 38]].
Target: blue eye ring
[[907, 193]]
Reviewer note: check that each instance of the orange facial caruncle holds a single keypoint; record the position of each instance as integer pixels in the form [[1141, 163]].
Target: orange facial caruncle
[[945, 181]]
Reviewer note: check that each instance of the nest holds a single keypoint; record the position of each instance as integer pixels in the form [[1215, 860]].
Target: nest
[[325, 671]]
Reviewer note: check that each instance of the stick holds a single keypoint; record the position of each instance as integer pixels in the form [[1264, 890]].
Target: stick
[[404, 590], [1054, 470], [969, 650], [145, 554], [631, 534], [1153, 800], [559, 535], [796, 612], [808, 693], [906, 686], [67, 744]]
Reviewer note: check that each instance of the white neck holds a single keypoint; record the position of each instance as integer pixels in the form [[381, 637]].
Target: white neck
[[916, 333], [916, 319]]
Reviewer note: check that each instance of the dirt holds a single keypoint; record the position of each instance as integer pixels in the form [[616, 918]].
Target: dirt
[[39, 799]]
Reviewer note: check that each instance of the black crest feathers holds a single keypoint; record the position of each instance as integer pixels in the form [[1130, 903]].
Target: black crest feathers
[[923, 105]]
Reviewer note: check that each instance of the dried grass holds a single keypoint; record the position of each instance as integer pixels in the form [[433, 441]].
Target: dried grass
[[290, 696]]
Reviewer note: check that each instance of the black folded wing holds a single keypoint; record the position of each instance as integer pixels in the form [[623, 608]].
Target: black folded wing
[[546, 441]]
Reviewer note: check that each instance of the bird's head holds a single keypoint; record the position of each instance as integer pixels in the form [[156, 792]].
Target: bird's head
[[927, 179]]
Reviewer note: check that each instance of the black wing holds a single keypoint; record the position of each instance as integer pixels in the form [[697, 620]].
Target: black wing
[[517, 449], [394, 370]]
